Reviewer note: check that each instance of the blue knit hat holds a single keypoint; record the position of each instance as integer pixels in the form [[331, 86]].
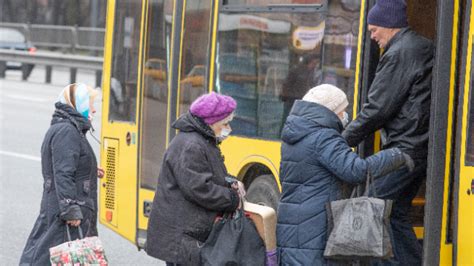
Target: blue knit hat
[[388, 14]]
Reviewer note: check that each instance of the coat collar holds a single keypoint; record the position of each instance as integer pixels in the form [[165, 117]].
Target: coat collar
[[66, 112], [190, 123], [396, 37]]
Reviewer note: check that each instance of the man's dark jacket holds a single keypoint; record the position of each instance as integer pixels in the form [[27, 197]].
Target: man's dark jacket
[[315, 160], [191, 192], [399, 97], [69, 169]]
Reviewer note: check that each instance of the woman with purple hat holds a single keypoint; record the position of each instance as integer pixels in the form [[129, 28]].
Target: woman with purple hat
[[192, 188]]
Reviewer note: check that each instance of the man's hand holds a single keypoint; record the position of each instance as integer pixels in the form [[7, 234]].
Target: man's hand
[[74, 223], [100, 172]]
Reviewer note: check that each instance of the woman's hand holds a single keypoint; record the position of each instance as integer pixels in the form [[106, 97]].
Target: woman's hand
[[100, 172], [75, 223]]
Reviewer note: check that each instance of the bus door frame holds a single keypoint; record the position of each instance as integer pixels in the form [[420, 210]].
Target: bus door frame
[[463, 235], [144, 195], [125, 159], [437, 246], [370, 60]]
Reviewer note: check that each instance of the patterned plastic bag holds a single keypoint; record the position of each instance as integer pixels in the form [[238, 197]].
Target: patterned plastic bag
[[80, 252]]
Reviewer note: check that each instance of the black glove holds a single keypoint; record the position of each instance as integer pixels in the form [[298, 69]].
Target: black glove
[[410, 164]]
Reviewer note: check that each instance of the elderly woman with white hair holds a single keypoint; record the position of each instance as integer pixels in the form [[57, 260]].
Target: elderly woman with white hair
[[70, 174], [315, 161]]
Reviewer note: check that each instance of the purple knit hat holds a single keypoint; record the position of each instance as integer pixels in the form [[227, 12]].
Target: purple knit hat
[[388, 14], [213, 107]]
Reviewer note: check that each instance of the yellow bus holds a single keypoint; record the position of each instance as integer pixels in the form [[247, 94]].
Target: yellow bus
[[162, 54]]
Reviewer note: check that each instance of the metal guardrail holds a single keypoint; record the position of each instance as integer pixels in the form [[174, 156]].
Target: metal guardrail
[[72, 38], [50, 59]]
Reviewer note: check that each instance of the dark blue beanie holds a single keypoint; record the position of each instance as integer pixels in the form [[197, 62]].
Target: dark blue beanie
[[388, 14]]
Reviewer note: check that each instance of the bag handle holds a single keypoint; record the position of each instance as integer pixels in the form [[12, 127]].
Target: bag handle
[[81, 236], [237, 213], [368, 182], [240, 212]]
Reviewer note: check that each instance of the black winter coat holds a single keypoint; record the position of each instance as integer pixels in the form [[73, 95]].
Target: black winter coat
[[399, 97], [69, 169], [315, 160], [191, 192]]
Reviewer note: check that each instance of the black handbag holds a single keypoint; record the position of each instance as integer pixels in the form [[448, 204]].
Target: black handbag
[[359, 227], [234, 240]]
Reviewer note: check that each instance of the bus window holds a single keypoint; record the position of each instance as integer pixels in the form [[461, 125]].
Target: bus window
[[470, 127], [269, 2], [267, 60], [195, 52], [123, 83], [155, 91]]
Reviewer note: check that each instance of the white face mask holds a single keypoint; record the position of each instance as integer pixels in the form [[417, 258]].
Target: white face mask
[[344, 119], [224, 134]]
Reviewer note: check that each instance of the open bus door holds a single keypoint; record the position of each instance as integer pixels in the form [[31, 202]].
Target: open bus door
[[423, 20], [447, 236], [156, 105], [137, 111], [120, 116], [175, 60], [448, 211], [463, 241], [442, 217]]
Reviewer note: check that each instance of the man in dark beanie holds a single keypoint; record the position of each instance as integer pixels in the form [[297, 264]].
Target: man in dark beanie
[[399, 104]]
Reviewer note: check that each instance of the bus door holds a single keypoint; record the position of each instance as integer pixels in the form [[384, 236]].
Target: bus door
[[449, 186], [441, 195], [175, 60], [463, 241], [422, 19], [155, 107], [120, 116]]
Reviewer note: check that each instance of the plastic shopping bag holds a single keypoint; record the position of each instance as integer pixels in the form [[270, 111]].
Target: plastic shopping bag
[[233, 241], [84, 252]]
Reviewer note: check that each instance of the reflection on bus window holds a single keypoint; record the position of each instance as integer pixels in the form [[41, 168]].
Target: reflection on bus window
[[195, 50], [123, 83], [155, 90], [268, 60], [470, 127]]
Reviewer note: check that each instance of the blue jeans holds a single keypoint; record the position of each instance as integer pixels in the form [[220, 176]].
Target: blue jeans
[[402, 186]]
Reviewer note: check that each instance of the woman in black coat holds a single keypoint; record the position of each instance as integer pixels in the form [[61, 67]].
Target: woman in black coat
[[70, 174], [192, 188]]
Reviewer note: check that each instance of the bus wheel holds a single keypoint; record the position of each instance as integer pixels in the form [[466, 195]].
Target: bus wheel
[[264, 191]]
